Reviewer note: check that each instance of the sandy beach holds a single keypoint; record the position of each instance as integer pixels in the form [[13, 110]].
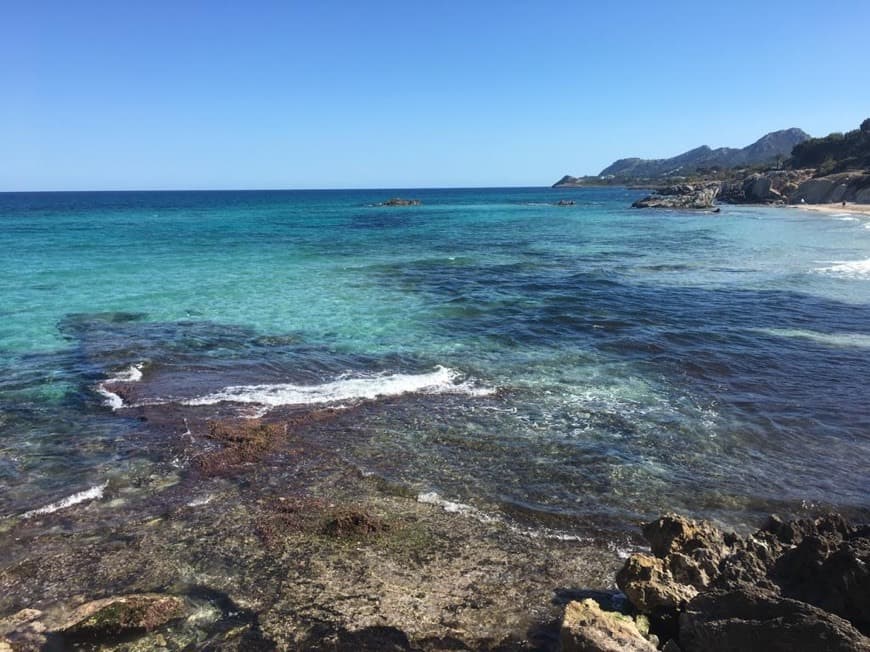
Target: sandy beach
[[858, 209]]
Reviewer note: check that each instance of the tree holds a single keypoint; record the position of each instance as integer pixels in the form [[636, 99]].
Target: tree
[[865, 126]]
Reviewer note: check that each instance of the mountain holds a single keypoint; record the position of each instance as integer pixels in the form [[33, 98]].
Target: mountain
[[765, 150]]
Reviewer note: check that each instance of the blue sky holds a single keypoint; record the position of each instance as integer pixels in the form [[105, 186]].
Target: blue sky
[[136, 95]]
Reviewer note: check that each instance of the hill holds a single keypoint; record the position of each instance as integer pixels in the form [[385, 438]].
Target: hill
[[767, 149], [834, 153]]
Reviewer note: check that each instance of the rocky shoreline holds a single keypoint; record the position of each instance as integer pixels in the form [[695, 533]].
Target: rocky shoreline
[[371, 570], [798, 585], [772, 187]]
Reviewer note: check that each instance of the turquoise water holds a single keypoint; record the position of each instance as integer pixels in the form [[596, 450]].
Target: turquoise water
[[556, 365]]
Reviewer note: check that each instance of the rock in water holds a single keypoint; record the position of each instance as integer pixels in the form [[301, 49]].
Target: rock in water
[[398, 201], [588, 628], [685, 196]]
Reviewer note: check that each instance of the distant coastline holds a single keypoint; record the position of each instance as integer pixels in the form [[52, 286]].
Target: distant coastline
[[782, 167]]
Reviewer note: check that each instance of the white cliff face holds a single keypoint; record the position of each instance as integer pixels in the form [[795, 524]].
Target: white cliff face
[[850, 187]]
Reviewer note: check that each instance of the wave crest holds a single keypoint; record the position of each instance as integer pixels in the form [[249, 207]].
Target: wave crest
[[346, 388]]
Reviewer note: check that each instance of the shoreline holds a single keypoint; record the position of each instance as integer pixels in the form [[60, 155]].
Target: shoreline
[[853, 209]]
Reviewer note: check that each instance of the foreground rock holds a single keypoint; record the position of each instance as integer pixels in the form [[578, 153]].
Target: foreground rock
[[752, 619], [801, 585], [588, 628], [684, 196]]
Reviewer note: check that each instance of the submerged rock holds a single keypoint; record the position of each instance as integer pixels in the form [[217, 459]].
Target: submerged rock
[[588, 628], [22, 631], [398, 201], [117, 616]]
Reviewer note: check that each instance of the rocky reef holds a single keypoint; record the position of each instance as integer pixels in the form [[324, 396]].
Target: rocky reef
[[798, 585], [268, 539], [399, 201]]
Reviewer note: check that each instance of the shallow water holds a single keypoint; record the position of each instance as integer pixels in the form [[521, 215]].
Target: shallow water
[[556, 366]]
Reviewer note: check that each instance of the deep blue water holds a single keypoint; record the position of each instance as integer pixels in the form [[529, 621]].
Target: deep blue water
[[551, 364]]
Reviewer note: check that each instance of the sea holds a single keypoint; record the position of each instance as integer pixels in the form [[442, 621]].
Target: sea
[[560, 367]]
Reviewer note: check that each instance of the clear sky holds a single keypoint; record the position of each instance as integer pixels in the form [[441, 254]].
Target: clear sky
[[406, 93]]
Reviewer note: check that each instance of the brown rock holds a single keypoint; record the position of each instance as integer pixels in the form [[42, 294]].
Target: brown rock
[[649, 584], [116, 616], [674, 533], [587, 628], [22, 631]]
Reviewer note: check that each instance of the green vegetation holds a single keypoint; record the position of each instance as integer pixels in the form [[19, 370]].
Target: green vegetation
[[837, 152]]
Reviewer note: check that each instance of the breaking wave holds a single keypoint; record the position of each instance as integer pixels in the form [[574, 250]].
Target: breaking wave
[[346, 388]]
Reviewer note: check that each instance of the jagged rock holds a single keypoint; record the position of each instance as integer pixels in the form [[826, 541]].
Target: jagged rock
[[588, 628], [832, 571], [683, 196], [687, 557], [808, 579], [674, 533], [649, 584], [753, 619], [121, 615]]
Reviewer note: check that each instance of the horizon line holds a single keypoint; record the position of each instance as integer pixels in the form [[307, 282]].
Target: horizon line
[[324, 189]]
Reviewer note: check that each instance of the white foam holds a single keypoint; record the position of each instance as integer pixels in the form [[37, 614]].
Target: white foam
[[858, 340], [433, 498], [88, 494], [345, 388], [132, 374], [856, 269], [112, 400], [453, 507]]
